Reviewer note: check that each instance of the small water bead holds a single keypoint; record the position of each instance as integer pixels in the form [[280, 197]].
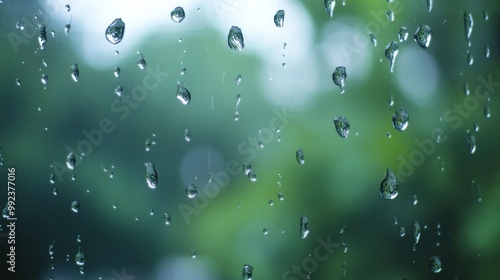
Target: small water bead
[[18, 82], [470, 59], [429, 5], [183, 94], [389, 185], [487, 52], [400, 120], [402, 231], [238, 79], [304, 226], [67, 28], [391, 52], [70, 161], [187, 135], [329, 6], [468, 25], [487, 112], [281, 197], [80, 258], [235, 39], [271, 202], [339, 76], [178, 14], [68, 8], [115, 31], [471, 143], [390, 15], [44, 79], [75, 206], [183, 71], [193, 254], [435, 264], [415, 228], [151, 175], [279, 18], [191, 191], [423, 36], [75, 72], [414, 199], [167, 219], [403, 34], [117, 71], [373, 38], [119, 90], [42, 36], [342, 126], [247, 272], [299, 155], [141, 62], [265, 231]]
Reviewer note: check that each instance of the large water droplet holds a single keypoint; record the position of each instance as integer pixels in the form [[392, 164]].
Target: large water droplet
[[423, 36], [304, 226], [400, 119], [183, 94], [75, 73], [235, 39], [178, 14], [70, 160], [114, 32], [435, 264], [389, 186], [339, 76], [329, 6], [279, 18], [299, 155], [151, 175], [247, 272], [342, 126], [468, 25], [191, 191], [42, 36], [391, 52]]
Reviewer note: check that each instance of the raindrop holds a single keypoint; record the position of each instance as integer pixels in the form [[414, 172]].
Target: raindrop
[[435, 264], [183, 94], [391, 52], [471, 143], [487, 52], [42, 36], [470, 59], [117, 71], [147, 144], [235, 39], [400, 119], [167, 218], [389, 186], [402, 231], [281, 197], [67, 28], [75, 206], [339, 76], [80, 257], [423, 36], [391, 102], [429, 5], [238, 79], [299, 155], [193, 254], [114, 32], [53, 33], [468, 24], [151, 175], [485, 15], [75, 73], [51, 251], [178, 14], [55, 191], [191, 191], [183, 70], [18, 82], [187, 135], [70, 160], [271, 202], [68, 8], [265, 231], [414, 199], [52, 178], [342, 126], [373, 38], [279, 18], [329, 6], [390, 15], [119, 90], [247, 168], [44, 79], [466, 89], [247, 272], [141, 62], [304, 226], [487, 113], [415, 228], [403, 34]]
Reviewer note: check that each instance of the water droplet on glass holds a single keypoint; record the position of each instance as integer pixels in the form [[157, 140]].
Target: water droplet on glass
[[70, 160], [390, 15], [191, 191], [68, 8], [281, 197], [80, 257], [141, 62], [403, 34], [183, 70], [53, 33], [389, 186], [18, 82], [119, 90], [178, 14], [423, 36], [114, 32], [304, 226], [247, 272], [167, 218], [339, 76], [485, 15], [271, 202], [391, 52], [470, 59], [402, 231], [400, 119], [247, 168], [265, 231], [117, 71], [55, 191], [51, 251], [435, 264], [279, 18], [391, 102], [329, 6], [299, 155], [52, 178], [151, 175], [429, 5], [75, 73], [67, 28], [487, 51], [238, 79], [414, 199], [342, 126], [415, 228], [235, 39], [193, 254], [487, 112], [183, 94], [75, 206], [373, 38], [44, 79], [468, 24], [471, 143], [42, 36], [187, 135], [466, 89]]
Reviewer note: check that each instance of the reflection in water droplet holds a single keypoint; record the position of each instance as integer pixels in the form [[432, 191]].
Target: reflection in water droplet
[[191, 191], [183, 94], [235, 39], [304, 226], [435, 264], [151, 175], [342, 126], [389, 186], [339, 76], [299, 155], [178, 14], [391, 52], [423, 36], [329, 6], [75, 73], [279, 18], [400, 120], [114, 32]]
